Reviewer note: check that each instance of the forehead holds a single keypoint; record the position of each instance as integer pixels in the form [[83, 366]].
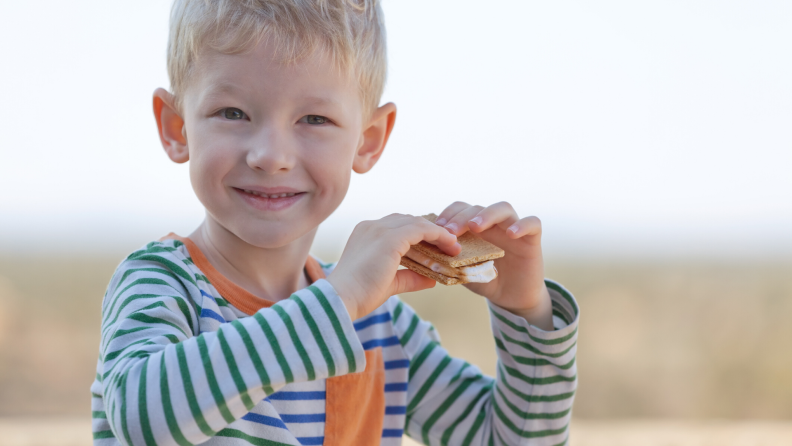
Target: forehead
[[261, 70]]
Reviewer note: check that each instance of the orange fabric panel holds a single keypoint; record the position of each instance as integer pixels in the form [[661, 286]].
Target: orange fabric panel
[[237, 296], [355, 405], [233, 293]]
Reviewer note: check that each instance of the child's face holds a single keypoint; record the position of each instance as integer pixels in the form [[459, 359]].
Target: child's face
[[257, 129]]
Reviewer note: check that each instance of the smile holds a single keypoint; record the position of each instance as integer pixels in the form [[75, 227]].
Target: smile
[[263, 195], [269, 202]]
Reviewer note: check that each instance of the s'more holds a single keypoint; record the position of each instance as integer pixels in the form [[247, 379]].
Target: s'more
[[475, 264]]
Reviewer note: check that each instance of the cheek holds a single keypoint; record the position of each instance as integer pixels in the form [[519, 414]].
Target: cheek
[[209, 163], [332, 167]]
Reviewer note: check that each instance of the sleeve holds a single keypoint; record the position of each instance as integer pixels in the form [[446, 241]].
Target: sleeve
[[529, 403], [165, 383]]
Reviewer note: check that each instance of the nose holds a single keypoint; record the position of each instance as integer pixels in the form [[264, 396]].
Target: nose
[[272, 152]]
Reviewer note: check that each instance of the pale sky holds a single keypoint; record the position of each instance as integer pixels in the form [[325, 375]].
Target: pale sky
[[631, 128]]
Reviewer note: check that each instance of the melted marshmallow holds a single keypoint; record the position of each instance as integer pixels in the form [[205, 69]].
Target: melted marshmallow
[[483, 272]]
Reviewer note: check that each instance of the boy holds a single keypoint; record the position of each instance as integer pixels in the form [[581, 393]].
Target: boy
[[235, 335]]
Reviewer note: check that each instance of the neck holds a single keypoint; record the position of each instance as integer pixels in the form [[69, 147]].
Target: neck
[[269, 273]]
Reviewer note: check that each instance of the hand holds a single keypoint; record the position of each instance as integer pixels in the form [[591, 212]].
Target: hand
[[520, 286], [367, 273]]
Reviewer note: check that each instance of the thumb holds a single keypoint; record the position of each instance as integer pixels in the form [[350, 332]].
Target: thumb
[[407, 281]]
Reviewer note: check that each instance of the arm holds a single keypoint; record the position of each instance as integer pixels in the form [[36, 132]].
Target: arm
[[163, 381], [451, 403]]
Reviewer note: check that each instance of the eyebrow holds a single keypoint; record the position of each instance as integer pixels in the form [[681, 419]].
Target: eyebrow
[[317, 100]]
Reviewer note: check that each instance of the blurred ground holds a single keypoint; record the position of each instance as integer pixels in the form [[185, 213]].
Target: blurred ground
[[71, 431], [675, 340]]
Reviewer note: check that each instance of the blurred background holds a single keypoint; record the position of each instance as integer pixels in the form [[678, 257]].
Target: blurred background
[[654, 139]]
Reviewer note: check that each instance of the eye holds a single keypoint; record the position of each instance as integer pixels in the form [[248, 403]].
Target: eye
[[314, 119], [233, 114]]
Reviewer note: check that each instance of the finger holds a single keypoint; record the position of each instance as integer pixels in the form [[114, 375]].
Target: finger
[[501, 214], [450, 212], [458, 224], [423, 230], [407, 281], [528, 226]]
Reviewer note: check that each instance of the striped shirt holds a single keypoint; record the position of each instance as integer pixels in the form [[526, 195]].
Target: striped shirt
[[187, 357]]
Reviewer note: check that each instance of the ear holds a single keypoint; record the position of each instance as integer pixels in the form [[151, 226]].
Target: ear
[[171, 126], [375, 136]]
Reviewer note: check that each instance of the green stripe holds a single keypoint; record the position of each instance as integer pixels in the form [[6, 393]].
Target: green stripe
[[130, 271], [124, 426], [232, 367], [564, 294], [276, 349], [212, 379], [120, 333], [533, 349], [522, 329], [306, 360], [167, 406], [538, 381], [189, 391], [410, 330], [430, 422], [98, 414], [397, 312], [101, 435], [416, 364], [561, 312], [525, 415], [475, 428], [534, 398], [328, 309], [106, 325], [112, 355], [450, 430], [266, 385], [176, 268], [256, 441], [145, 425], [534, 362], [146, 319], [416, 400], [317, 335], [525, 433]]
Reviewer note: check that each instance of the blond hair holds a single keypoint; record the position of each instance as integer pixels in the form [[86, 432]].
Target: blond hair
[[351, 32]]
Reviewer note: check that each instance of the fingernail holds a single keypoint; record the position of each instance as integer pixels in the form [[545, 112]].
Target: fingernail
[[441, 221], [477, 220], [513, 228], [452, 227]]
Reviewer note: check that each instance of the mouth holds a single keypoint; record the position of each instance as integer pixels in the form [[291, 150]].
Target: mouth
[[263, 195], [269, 201]]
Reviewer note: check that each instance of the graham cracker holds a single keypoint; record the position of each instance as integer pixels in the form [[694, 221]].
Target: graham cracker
[[426, 272], [474, 249]]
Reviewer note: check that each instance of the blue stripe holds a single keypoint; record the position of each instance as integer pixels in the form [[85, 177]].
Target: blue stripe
[[376, 319], [396, 387], [205, 312], [395, 410], [311, 441], [392, 432], [265, 420], [304, 418], [297, 396], [374, 343], [205, 294], [397, 364]]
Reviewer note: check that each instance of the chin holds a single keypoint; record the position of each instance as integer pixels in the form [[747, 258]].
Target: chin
[[271, 236]]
